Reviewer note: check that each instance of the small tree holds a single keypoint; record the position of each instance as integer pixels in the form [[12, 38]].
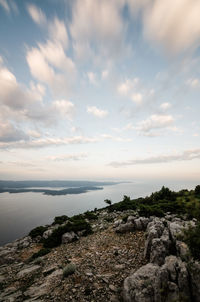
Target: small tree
[[126, 198], [108, 201]]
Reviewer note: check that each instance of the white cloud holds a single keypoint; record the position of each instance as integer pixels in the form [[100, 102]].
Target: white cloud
[[165, 106], [155, 121], [104, 74], [193, 83], [48, 142], [166, 158], [65, 108], [97, 112], [42, 62], [67, 157], [9, 133], [137, 98], [58, 32], [97, 28], [92, 78], [36, 14], [5, 5], [127, 86], [172, 23]]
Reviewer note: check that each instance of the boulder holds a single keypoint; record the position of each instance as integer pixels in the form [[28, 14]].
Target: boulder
[[69, 237], [125, 227]]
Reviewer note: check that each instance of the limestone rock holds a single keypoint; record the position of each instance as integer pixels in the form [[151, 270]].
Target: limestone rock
[[69, 237], [28, 271]]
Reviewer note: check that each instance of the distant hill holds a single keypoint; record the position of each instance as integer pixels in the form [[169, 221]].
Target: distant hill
[[52, 183]]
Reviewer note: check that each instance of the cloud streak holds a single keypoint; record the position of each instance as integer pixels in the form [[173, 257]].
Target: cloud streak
[[184, 156]]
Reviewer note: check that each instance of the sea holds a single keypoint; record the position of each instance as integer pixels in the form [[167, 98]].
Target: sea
[[21, 212]]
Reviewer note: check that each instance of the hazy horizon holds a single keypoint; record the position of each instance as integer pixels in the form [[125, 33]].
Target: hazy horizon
[[97, 89]]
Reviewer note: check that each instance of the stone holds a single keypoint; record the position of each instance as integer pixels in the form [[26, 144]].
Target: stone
[[28, 271], [69, 237], [49, 270], [47, 233], [194, 271], [139, 287], [126, 227]]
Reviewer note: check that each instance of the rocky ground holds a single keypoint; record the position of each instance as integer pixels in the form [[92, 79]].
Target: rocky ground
[[135, 259]]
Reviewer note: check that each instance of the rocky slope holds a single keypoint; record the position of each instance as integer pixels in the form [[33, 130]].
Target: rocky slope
[[131, 259]]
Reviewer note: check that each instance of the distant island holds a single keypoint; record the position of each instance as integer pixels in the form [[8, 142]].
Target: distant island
[[72, 187]]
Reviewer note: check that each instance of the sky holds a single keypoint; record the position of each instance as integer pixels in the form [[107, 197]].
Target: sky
[[98, 89]]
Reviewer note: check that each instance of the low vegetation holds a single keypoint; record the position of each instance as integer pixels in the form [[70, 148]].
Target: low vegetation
[[40, 253], [38, 231], [76, 225], [158, 203], [192, 238]]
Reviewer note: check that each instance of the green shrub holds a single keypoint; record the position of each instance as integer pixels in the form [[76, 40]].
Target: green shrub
[[55, 238], [197, 190], [60, 219], [192, 238], [69, 269], [38, 231], [41, 253], [90, 216]]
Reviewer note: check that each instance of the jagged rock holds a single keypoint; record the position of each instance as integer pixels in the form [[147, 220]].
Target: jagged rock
[[175, 229], [140, 286], [69, 237], [151, 282], [194, 271], [24, 242], [7, 256], [37, 291], [125, 227], [47, 233], [182, 250], [154, 230], [28, 271], [117, 223]]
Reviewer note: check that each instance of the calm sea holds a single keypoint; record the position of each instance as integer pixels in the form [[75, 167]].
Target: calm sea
[[21, 212]]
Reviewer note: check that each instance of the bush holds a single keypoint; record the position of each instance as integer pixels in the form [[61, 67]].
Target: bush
[[41, 253], [197, 190], [55, 238], [69, 269], [38, 231], [60, 219], [90, 216], [192, 238]]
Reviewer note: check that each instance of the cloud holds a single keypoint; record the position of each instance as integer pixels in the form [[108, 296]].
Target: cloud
[[193, 83], [9, 133], [49, 63], [5, 5], [96, 28], [165, 106], [92, 78], [65, 108], [172, 23], [67, 157], [127, 86], [21, 104], [137, 98], [97, 112], [48, 142], [58, 32], [183, 156], [155, 121], [36, 14], [104, 74]]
